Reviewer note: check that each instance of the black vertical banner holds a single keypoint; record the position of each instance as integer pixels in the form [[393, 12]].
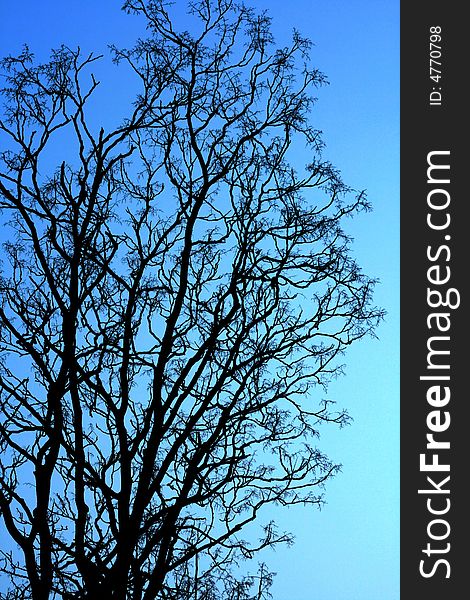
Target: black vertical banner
[[435, 359]]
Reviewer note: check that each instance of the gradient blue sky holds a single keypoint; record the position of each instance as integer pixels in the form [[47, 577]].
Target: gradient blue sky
[[350, 549]]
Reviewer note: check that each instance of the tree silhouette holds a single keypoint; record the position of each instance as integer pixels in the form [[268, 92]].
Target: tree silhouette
[[171, 298]]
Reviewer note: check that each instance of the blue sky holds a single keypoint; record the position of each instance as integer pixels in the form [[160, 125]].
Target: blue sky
[[350, 549]]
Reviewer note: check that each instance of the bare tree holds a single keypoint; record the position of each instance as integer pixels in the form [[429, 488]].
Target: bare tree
[[172, 298]]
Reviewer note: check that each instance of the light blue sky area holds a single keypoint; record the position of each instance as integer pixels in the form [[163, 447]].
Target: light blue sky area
[[350, 549]]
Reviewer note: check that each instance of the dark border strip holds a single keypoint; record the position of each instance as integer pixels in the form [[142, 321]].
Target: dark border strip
[[435, 268]]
